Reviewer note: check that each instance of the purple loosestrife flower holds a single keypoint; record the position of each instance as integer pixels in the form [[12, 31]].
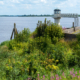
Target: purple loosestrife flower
[[56, 75], [78, 76], [71, 72], [73, 75], [53, 77], [60, 77], [76, 72], [79, 71], [63, 73], [73, 69], [57, 78], [43, 77], [38, 76]]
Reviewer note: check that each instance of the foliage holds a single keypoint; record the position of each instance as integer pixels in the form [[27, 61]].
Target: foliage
[[41, 28], [42, 43], [25, 56], [78, 36], [48, 28], [4, 43], [54, 31], [23, 36], [4, 52]]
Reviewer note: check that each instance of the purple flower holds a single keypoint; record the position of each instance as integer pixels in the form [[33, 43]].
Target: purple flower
[[76, 72], [63, 73], [53, 77], [60, 77], [57, 75], [79, 71], [57, 78], [78, 76], [43, 75], [73, 75], [28, 78], [71, 72], [73, 69]]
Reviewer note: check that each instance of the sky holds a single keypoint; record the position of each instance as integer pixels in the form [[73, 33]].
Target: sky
[[38, 7]]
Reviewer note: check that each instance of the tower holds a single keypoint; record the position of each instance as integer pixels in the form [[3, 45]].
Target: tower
[[57, 16]]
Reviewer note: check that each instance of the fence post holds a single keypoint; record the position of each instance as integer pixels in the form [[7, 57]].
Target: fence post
[[14, 31], [73, 26]]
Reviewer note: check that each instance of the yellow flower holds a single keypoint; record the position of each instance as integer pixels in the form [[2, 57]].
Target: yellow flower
[[57, 60], [54, 67], [52, 59], [49, 66], [11, 67], [7, 67], [9, 60]]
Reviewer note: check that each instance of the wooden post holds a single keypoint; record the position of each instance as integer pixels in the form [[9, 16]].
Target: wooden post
[[73, 26], [12, 34], [14, 31]]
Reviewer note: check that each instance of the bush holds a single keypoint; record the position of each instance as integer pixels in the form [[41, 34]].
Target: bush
[[4, 52], [78, 37], [54, 31], [42, 43], [30, 46], [41, 28], [60, 52], [12, 44], [5, 43], [48, 28], [23, 36]]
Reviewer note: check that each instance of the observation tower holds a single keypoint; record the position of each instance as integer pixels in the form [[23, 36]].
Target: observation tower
[[57, 16]]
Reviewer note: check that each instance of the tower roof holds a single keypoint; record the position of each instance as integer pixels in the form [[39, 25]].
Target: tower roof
[[57, 10]]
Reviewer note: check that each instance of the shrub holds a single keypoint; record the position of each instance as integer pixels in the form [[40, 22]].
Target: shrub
[[4, 52], [5, 43], [48, 28], [78, 37], [12, 44], [30, 46], [42, 43], [54, 31], [23, 36], [61, 52], [41, 28]]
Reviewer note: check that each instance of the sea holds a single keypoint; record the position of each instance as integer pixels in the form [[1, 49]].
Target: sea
[[7, 24]]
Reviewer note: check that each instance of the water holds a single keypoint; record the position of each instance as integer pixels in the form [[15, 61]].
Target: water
[[7, 24]]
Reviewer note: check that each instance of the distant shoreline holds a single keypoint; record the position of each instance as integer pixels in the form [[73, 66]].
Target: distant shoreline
[[26, 15]]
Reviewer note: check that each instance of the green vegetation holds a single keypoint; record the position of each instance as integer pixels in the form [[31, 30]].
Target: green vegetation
[[43, 54]]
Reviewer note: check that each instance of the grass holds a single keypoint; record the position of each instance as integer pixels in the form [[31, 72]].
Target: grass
[[69, 74], [78, 31]]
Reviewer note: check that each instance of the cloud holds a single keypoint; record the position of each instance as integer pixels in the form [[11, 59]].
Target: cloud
[[26, 6], [1, 2], [67, 3], [36, 1], [15, 1], [44, 1], [22, 0]]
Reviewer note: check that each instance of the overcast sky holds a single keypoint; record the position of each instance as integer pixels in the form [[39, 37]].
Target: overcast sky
[[21, 7]]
